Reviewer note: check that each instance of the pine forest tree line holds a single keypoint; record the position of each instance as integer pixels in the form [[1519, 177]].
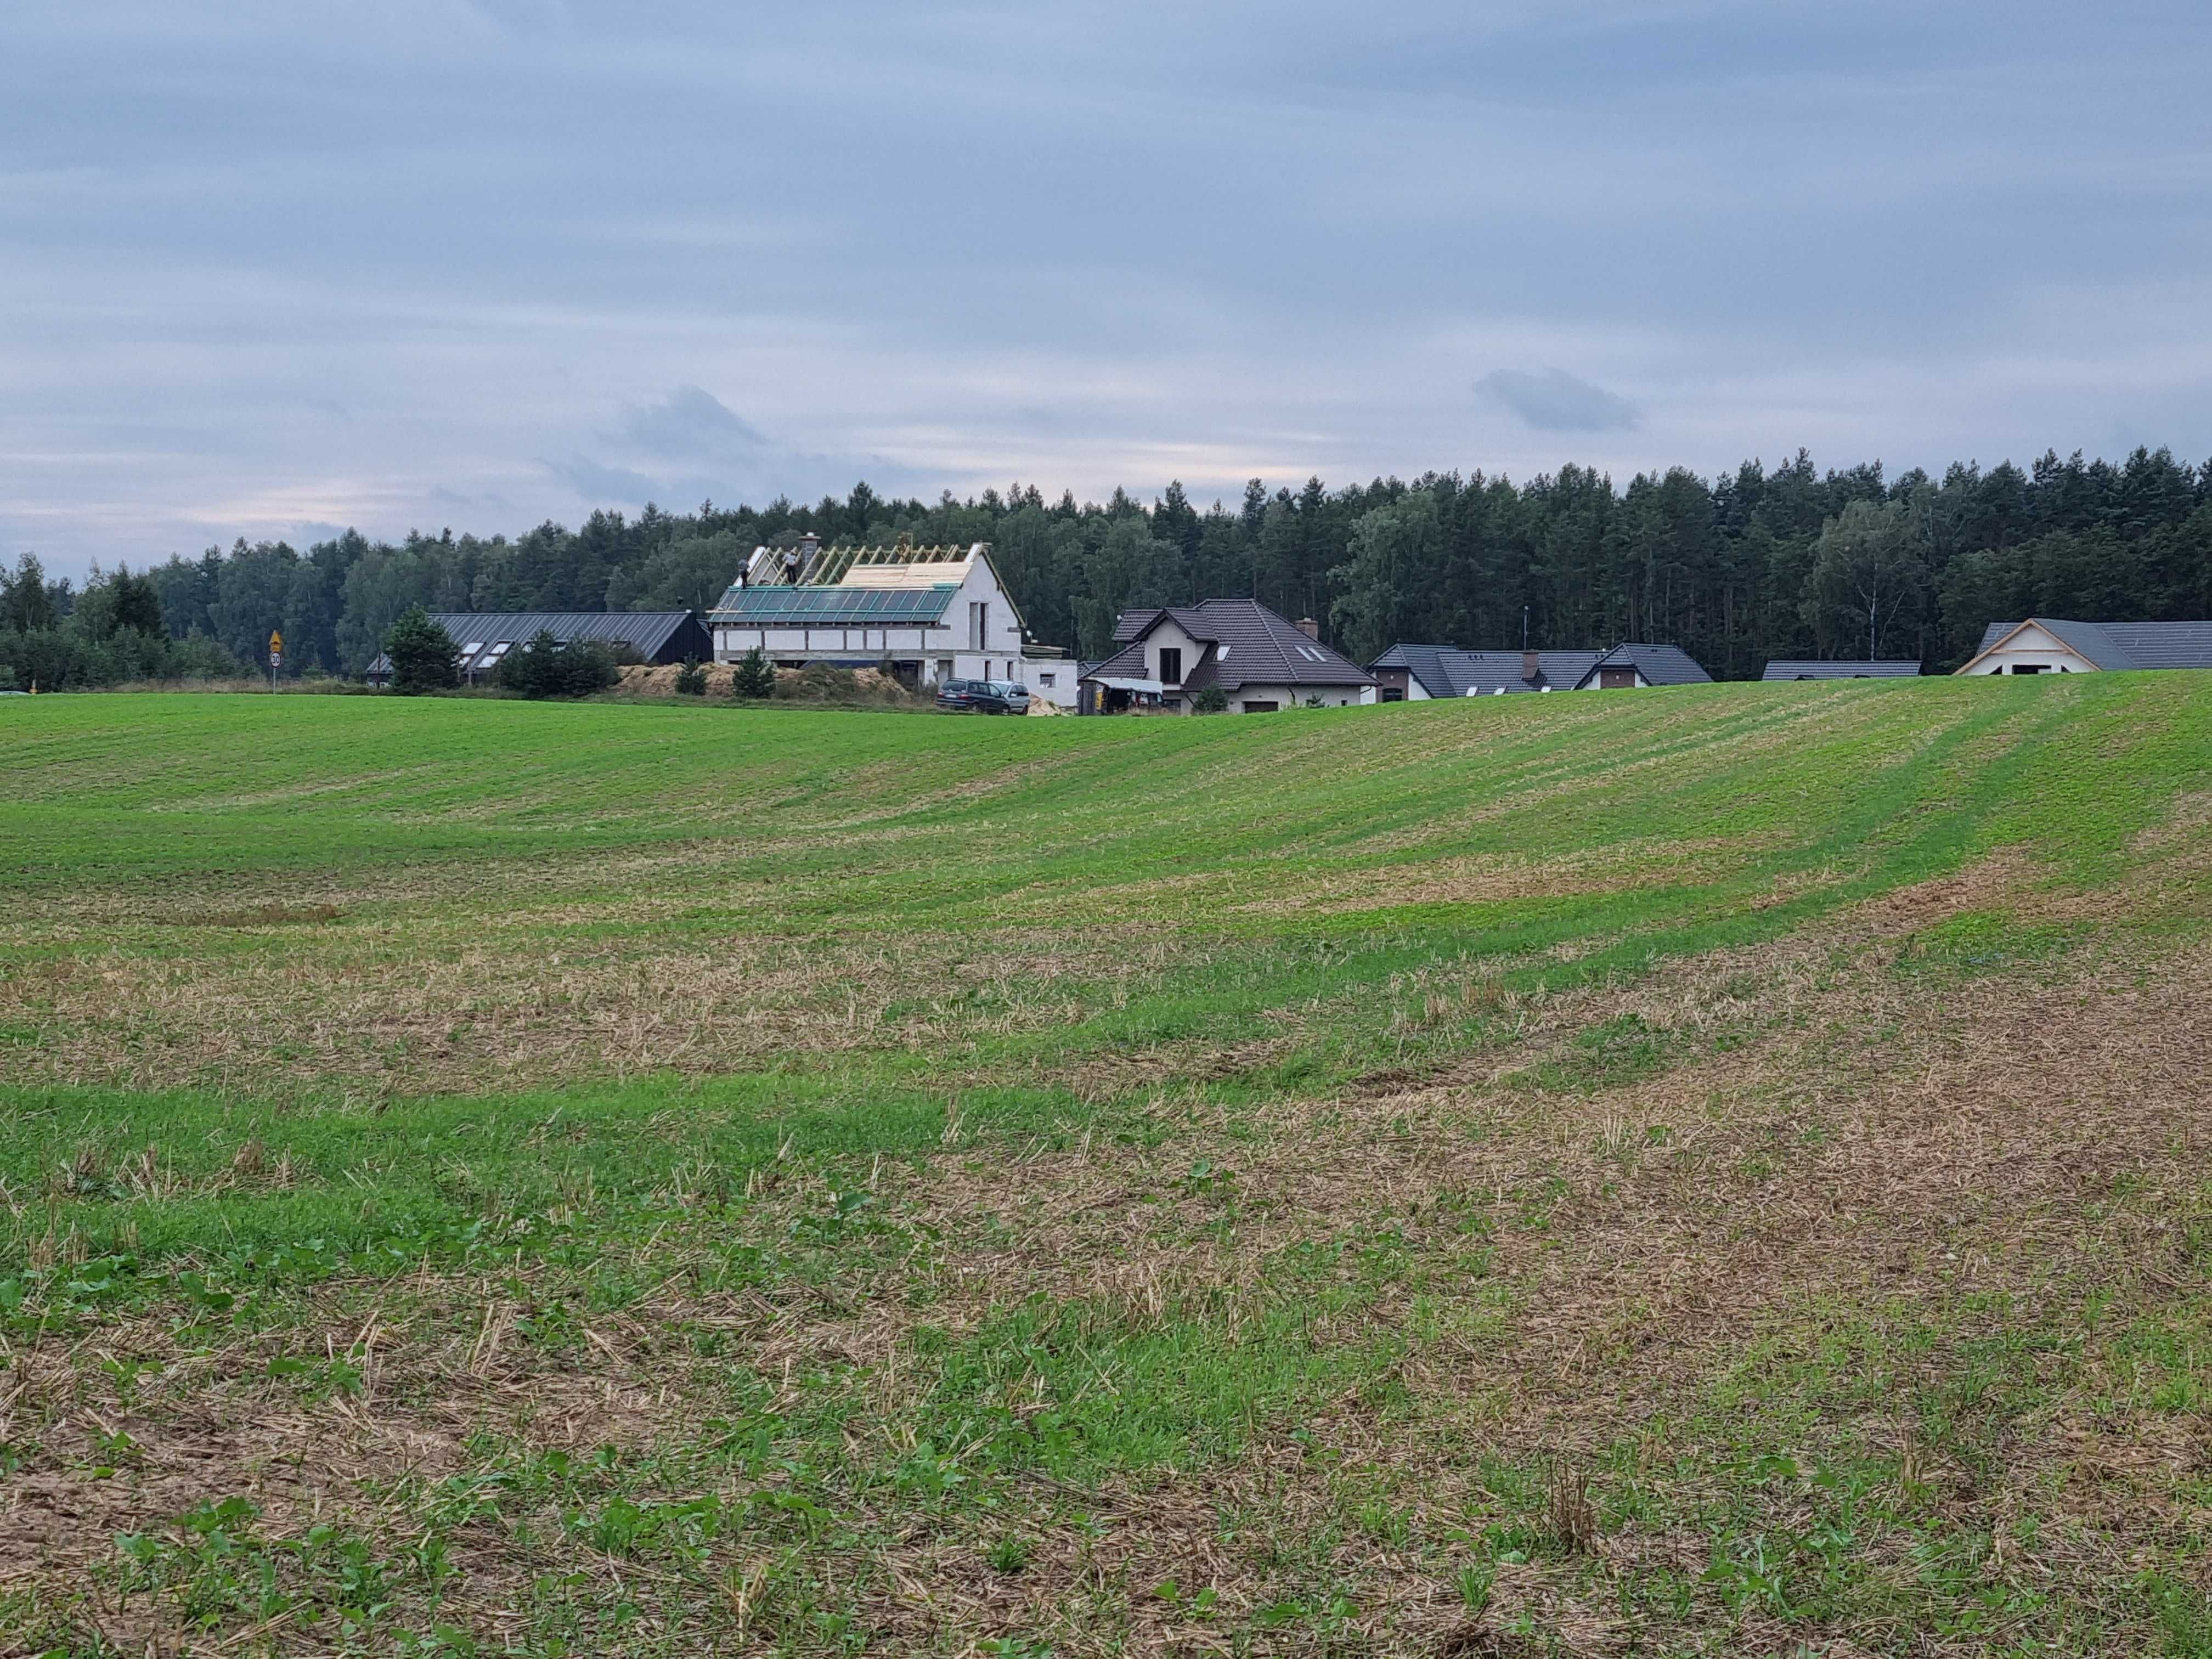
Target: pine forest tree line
[[1764, 562]]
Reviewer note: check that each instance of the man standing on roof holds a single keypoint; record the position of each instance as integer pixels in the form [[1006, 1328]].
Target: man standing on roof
[[791, 567]]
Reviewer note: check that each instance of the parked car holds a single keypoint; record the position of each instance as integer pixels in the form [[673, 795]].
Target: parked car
[[1018, 697], [974, 697]]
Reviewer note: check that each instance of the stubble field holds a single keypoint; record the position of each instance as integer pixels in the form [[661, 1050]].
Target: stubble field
[[1719, 1171]]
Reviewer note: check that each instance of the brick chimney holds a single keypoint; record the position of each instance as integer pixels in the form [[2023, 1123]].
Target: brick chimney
[[1310, 627], [1531, 666]]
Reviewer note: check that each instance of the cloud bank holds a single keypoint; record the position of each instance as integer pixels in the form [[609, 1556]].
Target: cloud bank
[[271, 267]]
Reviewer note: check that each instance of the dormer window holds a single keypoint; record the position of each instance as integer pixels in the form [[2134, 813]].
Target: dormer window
[[1171, 664]]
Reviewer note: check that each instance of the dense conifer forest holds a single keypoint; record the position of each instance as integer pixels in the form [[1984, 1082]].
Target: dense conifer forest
[[1787, 561]]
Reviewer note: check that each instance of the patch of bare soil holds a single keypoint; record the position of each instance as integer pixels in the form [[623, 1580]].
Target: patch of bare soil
[[512, 1008], [1888, 1157]]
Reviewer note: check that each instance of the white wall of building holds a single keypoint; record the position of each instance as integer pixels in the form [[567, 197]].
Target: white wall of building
[[1294, 696], [1167, 635], [2032, 650], [1053, 678], [969, 645]]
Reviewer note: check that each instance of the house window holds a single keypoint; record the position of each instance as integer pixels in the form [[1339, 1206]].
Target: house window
[[979, 624], [1045, 679], [1171, 664], [943, 670]]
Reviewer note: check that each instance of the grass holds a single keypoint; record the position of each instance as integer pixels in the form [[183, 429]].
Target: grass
[[1719, 1171]]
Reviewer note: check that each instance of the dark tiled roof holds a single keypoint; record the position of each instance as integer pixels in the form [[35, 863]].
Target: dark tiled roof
[[1794, 668], [2126, 644], [1130, 623], [1246, 644], [1445, 672], [1127, 664], [1659, 665], [659, 636]]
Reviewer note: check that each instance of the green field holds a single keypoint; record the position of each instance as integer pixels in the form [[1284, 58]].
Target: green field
[[1714, 1170]]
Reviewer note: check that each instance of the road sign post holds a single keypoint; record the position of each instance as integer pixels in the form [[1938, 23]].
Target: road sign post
[[276, 656]]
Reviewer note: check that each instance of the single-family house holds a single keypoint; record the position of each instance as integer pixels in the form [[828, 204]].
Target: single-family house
[[1880, 668], [927, 614], [2043, 645], [484, 637], [1165, 658], [1414, 673]]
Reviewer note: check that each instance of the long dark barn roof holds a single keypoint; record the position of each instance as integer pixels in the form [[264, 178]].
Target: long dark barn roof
[[655, 635], [1807, 668]]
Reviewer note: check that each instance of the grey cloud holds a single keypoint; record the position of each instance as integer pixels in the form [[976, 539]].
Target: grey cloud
[[689, 447], [1555, 401], [595, 480], [691, 423]]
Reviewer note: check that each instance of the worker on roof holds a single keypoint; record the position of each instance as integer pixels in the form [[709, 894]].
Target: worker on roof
[[791, 567]]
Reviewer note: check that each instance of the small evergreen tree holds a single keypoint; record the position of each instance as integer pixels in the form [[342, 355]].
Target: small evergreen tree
[[690, 680], [547, 668], [588, 668], [1210, 701], [754, 675], [424, 655]]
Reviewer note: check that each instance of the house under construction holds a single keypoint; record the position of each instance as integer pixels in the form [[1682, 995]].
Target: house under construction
[[924, 614]]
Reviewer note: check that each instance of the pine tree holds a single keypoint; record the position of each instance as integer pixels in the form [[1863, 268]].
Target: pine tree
[[423, 654], [754, 675]]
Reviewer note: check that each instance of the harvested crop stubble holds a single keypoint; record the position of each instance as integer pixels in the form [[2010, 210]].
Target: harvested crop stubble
[[957, 1187]]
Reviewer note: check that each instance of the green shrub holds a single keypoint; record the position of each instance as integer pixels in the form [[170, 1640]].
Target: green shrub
[[424, 655], [548, 668], [691, 679], [1210, 701], [754, 675]]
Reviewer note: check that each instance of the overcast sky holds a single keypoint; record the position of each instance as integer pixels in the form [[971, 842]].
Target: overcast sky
[[269, 267]]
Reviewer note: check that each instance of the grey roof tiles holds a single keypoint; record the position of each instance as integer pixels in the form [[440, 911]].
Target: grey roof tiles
[[1244, 642], [2120, 645], [1803, 668]]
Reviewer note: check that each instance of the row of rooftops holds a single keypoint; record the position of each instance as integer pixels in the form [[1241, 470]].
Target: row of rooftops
[[1444, 670], [1242, 642]]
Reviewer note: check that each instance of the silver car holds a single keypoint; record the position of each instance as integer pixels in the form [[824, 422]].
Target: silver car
[[1016, 696]]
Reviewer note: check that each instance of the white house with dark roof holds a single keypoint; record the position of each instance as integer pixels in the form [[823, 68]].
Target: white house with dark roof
[[929, 614], [2043, 645], [1415, 673], [1165, 657]]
